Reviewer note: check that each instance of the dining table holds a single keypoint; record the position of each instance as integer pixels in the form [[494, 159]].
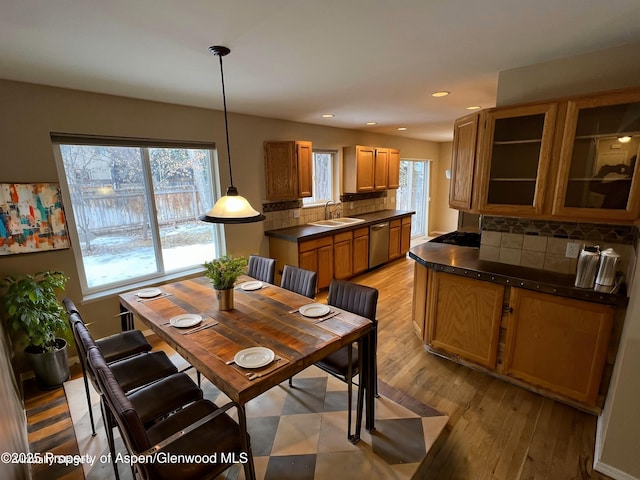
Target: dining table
[[266, 317]]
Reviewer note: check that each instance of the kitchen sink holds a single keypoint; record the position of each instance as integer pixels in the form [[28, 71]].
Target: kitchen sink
[[336, 222]]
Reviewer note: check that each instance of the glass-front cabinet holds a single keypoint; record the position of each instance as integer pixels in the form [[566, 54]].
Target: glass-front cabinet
[[597, 178], [516, 151]]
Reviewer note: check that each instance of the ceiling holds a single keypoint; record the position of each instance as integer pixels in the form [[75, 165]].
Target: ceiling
[[361, 60]]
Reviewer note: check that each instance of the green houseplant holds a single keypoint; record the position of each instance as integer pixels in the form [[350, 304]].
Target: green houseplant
[[33, 310], [223, 272]]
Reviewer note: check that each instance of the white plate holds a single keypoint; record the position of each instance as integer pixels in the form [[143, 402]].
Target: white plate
[[253, 285], [254, 357], [185, 320], [149, 293], [314, 310]]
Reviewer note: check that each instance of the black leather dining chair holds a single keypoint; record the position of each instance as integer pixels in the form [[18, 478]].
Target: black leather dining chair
[[199, 429], [299, 280], [343, 364], [261, 268], [114, 347]]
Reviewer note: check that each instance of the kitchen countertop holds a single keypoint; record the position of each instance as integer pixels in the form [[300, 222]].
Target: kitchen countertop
[[465, 261], [308, 232]]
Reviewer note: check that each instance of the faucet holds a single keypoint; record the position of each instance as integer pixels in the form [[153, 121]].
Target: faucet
[[337, 211], [327, 213]]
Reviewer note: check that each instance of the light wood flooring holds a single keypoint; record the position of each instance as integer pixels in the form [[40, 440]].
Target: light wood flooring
[[496, 430]]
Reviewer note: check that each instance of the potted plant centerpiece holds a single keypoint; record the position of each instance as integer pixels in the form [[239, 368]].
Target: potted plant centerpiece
[[223, 273], [32, 309]]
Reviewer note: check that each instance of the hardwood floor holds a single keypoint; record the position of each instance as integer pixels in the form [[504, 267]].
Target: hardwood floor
[[496, 430]]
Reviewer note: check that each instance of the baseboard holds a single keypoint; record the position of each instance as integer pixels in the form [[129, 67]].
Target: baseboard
[[612, 471]]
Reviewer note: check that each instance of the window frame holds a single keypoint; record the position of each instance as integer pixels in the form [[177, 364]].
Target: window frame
[[332, 176], [160, 275]]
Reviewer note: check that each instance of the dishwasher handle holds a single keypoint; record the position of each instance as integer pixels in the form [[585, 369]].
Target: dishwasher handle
[[379, 226]]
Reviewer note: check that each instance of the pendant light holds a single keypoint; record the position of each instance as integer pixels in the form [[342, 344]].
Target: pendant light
[[232, 208]]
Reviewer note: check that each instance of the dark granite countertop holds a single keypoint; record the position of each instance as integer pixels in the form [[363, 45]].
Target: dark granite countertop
[[466, 261], [308, 232]]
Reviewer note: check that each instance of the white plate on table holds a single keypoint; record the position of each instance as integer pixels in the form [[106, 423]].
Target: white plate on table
[[253, 285], [254, 357], [314, 310], [185, 320], [149, 293]]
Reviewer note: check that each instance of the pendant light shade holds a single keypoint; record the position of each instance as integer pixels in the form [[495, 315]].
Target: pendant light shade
[[232, 208]]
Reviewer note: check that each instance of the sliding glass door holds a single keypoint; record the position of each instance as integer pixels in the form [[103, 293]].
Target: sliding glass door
[[413, 194]]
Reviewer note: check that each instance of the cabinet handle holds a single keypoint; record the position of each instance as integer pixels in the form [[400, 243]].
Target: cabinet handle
[[506, 308]]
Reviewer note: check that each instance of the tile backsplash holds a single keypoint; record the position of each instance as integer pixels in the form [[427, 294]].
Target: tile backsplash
[[291, 214], [542, 244]]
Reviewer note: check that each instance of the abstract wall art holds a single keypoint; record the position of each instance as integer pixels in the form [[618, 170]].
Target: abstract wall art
[[31, 218]]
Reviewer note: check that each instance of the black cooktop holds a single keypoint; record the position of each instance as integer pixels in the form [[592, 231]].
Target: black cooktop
[[462, 239]]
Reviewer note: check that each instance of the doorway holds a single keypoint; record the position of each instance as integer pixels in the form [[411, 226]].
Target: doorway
[[413, 194]]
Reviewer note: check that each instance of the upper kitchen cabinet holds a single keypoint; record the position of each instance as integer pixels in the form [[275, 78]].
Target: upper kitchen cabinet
[[597, 178], [515, 153], [368, 169], [463, 161], [288, 169]]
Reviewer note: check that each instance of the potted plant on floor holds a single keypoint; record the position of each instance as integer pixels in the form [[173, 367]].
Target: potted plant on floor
[[223, 272], [32, 309]]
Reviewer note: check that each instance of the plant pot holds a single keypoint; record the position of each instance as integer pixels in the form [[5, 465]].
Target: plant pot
[[225, 298], [50, 368]]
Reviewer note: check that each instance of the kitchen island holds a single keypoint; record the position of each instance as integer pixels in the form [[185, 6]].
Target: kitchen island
[[527, 326]]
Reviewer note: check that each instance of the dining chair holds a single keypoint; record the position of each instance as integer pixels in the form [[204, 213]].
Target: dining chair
[[261, 268], [200, 429], [114, 347], [155, 399], [299, 280], [343, 364]]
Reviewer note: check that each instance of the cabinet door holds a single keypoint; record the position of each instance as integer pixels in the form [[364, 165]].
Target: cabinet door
[[304, 156], [308, 260], [420, 288], [280, 170], [365, 168], [463, 317], [405, 235], [393, 177], [515, 156], [597, 179], [342, 255], [394, 239], [360, 250], [463, 161], [381, 173], [325, 265], [558, 344]]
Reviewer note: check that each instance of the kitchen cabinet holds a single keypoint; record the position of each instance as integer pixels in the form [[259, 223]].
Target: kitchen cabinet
[[515, 154], [394, 238], [558, 344], [343, 255], [288, 167], [368, 169], [405, 235], [360, 250], [317, 255], [463, 160], [463, 317], [601, 142], [393, 176]]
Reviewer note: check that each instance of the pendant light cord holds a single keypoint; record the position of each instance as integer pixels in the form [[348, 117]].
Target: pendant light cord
[[226, 121]]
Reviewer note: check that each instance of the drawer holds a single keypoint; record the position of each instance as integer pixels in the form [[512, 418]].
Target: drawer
[[395, 223], [315, 243], [342, 237], [406, 220], [360, 232]]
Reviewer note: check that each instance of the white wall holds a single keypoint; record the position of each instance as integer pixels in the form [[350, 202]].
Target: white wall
[[619, 426], [442, 219]]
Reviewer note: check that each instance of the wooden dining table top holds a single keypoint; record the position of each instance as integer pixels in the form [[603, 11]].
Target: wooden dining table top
[[266, 317]]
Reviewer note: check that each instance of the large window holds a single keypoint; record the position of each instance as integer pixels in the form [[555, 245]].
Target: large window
[[323, 161], [134, 209]]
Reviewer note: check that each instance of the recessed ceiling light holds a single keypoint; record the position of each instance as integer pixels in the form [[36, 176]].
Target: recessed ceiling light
[[442, 93], [625, 139], [328, 115], [371, 123], [402, 129], [474, 107]]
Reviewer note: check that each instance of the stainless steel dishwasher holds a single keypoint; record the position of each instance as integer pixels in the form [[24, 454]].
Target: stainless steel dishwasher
[[378, 244]]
